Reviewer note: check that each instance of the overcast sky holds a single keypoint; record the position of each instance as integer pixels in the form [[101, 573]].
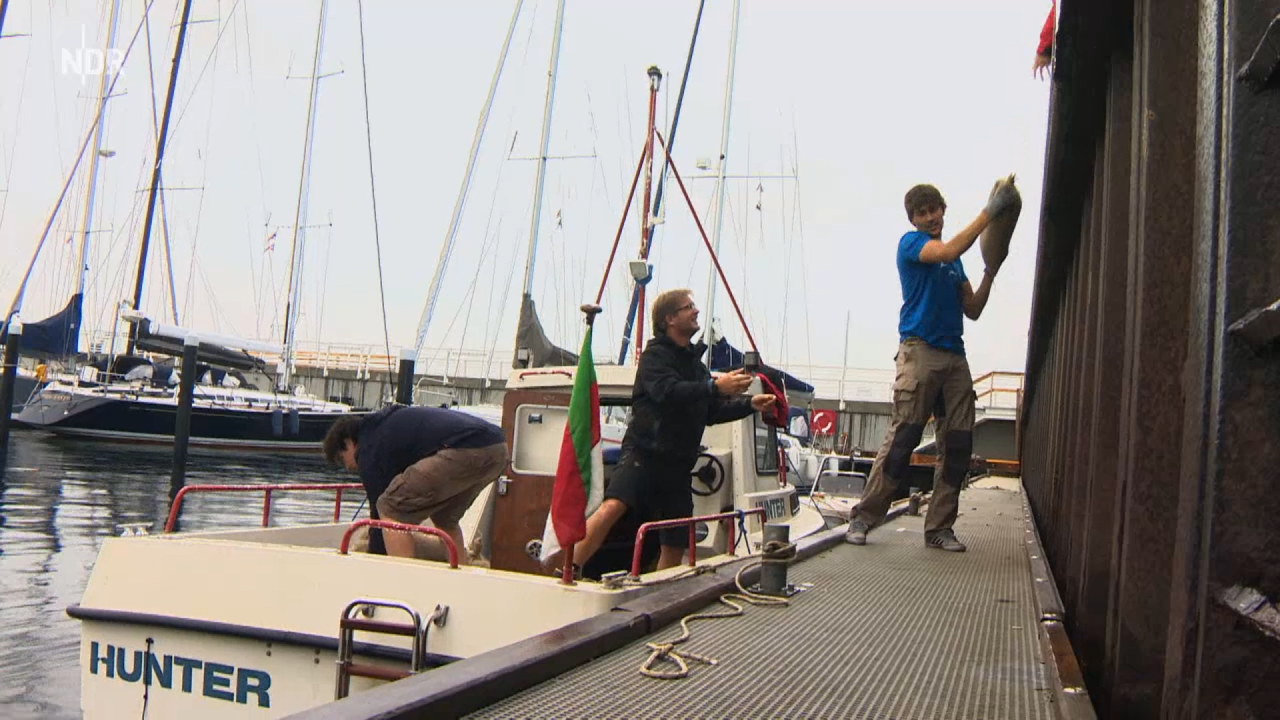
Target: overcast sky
[[852, 102]]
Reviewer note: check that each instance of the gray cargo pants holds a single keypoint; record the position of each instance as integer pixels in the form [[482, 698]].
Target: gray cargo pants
[[929, 381]]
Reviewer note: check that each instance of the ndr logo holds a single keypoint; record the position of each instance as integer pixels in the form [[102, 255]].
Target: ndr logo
[[216, 679], [86, 61]]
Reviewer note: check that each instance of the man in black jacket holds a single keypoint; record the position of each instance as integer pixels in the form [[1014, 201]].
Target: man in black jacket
[[417, 463], [673, 401]]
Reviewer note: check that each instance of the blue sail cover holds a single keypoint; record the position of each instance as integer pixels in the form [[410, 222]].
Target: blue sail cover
[[725, 357], [57, 335]]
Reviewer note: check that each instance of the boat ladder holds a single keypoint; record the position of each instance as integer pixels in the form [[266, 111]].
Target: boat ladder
[[357, 616]]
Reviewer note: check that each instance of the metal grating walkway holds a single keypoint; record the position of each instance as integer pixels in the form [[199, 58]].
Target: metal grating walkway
[[890, 630]]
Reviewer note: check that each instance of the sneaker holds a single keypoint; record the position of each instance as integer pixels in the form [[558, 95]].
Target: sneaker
[[857, 532], [944, 540]]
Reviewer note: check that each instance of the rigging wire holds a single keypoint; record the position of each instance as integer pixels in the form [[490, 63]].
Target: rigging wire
[[321, 295], [17, 301], [786, 250], [212, 54], [164, 210], [471, 288], [53, 80], [799, 209], [450, 239], [373, 194], [13, 148], [204, 176], [265, 274]]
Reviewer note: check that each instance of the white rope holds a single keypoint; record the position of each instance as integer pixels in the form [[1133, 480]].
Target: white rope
[[667, 652]]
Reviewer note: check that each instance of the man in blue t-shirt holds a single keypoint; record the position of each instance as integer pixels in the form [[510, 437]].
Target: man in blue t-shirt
[[932, 374]]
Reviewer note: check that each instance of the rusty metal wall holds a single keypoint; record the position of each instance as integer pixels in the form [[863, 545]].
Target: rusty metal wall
[[1151, 428]]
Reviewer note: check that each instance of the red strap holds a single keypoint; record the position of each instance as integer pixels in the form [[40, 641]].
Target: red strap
[[780, 413]]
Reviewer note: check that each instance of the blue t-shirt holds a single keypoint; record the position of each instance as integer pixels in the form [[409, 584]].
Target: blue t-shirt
[[931, 307]]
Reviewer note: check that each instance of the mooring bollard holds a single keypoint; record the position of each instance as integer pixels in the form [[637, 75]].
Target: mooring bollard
[[777, 555], [8, 378], [182, 424], [404, 378]]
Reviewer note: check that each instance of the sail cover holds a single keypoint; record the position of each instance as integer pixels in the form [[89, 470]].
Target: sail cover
[[724, 356], [531, 339], [56, 336]]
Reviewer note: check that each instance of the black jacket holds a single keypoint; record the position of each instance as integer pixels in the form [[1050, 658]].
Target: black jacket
[[674, 400], [396, 437]]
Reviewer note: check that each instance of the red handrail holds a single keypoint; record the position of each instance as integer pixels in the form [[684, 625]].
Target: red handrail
[[692, 522], [406, 527], [565, 373], [266, 489]]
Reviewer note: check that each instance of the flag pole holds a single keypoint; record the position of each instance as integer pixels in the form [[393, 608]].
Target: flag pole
[[566, 573]]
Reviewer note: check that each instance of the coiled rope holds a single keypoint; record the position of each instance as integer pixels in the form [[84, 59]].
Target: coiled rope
[[772, 552]]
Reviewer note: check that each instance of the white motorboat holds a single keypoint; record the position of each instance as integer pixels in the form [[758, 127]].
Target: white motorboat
[[245, 623], [836, 492]]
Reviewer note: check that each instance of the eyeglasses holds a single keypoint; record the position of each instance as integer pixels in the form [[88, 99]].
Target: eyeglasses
[[690, 306]]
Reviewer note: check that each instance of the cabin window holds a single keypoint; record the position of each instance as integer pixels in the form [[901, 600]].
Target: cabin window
[[766, 437], [539, 432]]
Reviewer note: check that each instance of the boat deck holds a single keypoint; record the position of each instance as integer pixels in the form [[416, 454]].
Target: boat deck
[[889, 630]]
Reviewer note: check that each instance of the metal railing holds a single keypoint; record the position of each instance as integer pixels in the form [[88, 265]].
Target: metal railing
[[692, 523], [1000, 389], [449, 545], [266, 490]]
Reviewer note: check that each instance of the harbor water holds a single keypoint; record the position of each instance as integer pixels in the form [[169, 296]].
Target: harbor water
[[60, 498]]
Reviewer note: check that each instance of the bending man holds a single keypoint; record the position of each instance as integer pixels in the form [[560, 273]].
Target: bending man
[[417, 463]]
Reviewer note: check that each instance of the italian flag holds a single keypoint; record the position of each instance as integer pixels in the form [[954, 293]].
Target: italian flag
[[579, 487]]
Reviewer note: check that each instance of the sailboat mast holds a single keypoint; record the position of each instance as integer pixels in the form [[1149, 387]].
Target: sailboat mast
[[542, 153], [155, 170], [298, 253], [655, 79], [658, 195], [709, 335], [112, 23], [433, 291]]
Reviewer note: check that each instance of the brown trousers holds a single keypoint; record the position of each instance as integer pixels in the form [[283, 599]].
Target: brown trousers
[[442, 486], [929, 381]]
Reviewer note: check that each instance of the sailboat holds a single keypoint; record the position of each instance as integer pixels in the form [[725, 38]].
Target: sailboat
[[57, 336], [303, 585], [236, 403]]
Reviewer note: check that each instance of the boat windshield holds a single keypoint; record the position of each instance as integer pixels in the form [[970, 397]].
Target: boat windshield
[[841, 483]]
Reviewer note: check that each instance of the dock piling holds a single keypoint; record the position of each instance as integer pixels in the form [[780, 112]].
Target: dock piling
[[773, 571], [404, 378], [7, 380], [182, 425]]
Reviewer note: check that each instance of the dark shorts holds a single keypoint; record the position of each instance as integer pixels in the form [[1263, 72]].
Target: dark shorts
[[654, 491]]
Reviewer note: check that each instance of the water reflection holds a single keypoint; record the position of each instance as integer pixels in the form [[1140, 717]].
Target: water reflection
[[59, 498]]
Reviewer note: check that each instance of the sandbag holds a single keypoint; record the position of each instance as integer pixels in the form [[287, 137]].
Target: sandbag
[[994, 240]]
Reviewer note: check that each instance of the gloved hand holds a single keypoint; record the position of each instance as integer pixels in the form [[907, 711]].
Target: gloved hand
[[1003, 195]]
